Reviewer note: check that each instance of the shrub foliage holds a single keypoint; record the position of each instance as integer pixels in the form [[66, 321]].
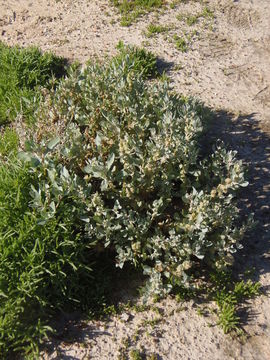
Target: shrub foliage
[[114, 165], [21, 72], [152, 197]]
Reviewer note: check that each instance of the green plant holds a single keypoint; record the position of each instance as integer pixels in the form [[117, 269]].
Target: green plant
[[229, 295], [245, 290], [153, 29], [227, 318], [139, 60], [200, 312], [152, 322], [182, 292], [140, 307], [174, 4], [44, 260], [163, 221], [192, 19], [178, 67], [207, 13], [157, 310], [152, 357], [180, 43], [131, 10], [22, 71], [125, 343], [135, 355], [9, 142]]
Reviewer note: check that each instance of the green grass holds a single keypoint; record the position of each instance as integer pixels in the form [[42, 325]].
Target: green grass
[[140, 60], [153, 29], [191, 19], [207, 13], [135, 355], [42, 268], [131, 10], [229, 296], [180, 43], [22, 72], [9, 142]]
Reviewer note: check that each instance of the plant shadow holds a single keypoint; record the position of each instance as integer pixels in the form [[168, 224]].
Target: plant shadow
[[164, 66], [243, 133]]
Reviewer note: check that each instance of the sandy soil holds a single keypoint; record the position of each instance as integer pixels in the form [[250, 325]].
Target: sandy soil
[[227, 66]]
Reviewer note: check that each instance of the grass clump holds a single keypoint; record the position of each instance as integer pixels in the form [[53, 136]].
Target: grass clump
[[153, 29], [191, 19], [22, 71], [135, 355], [180, 43], [229, 295], [207, 13], [139, 60], [9, 142], [131, 10], [113, 169], [44, 259]]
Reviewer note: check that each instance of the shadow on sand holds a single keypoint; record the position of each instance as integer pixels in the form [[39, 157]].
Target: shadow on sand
[[243, 134]]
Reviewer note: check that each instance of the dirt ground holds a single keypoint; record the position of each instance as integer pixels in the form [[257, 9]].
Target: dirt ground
[[227, 66]]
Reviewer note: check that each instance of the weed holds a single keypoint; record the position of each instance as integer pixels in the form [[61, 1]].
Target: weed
[[125, 343], [192, 19], [207, 13], [140, 307], [174, 4], [229, 295], [140, 60], [135, 355], [152, 357], [152, 322], [180, 309], [153, 29], [180, 43], [156, 298], [200, 312], [250, 271], [50, 260], [146, 43], [109, 310], [136, 334], [180, 17], [181, 292], [246, 290], [227, 318], [157, 310], [131, 10], [9, 142]]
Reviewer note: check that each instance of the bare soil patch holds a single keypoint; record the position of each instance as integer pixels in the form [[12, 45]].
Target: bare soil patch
[[227, 66]]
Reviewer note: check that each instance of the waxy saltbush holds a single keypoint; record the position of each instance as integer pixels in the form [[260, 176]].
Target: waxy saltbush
[[148, 194]]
